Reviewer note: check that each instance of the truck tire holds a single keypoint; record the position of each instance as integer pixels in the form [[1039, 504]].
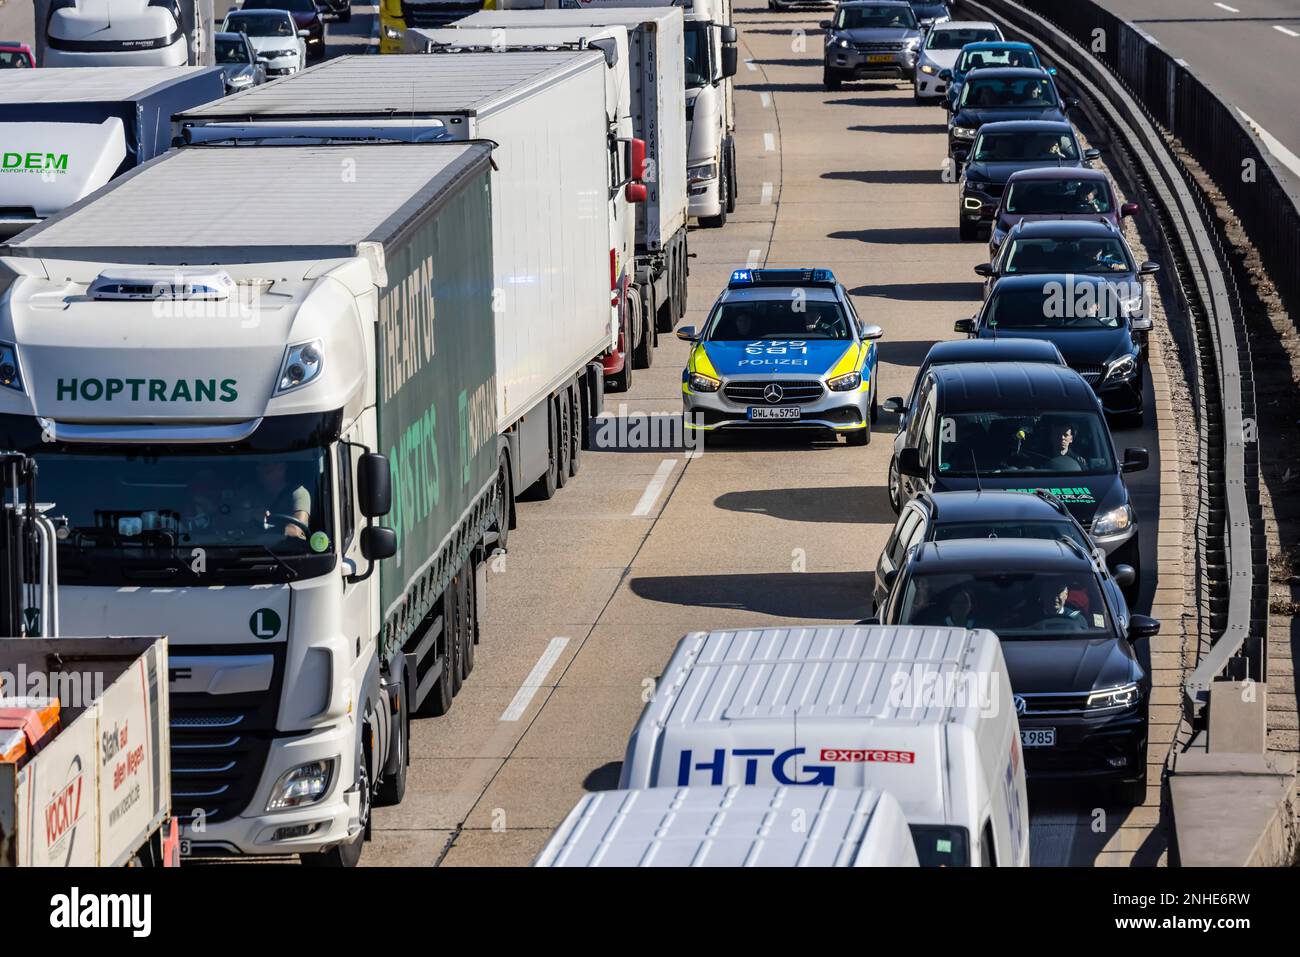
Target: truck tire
[[456, 640], [471, 619], [390, 791], [564, 437], [622, 381], [347, 854], [544, 488], [438, 702], [720, 220], [505, 501], [580, 421], [733, 181], [665, 318], [643, 352]]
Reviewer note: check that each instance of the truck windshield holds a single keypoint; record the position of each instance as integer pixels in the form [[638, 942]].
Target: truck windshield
[[698, 72], [1014, 604], [1025, 443], [186, 514]]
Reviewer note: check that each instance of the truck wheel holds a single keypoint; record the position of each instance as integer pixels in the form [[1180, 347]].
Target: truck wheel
[[439, 701], [456, 640], [643, 352], [720, 220], [543, 489], [622, 381], [471, 619], [505, 501], [564, 445], [390, 791], [347, 854], [733, 181], [579, 429]]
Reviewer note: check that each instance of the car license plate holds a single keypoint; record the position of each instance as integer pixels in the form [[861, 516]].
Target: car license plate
[[880, 58], [784, 412], [1038, 738]]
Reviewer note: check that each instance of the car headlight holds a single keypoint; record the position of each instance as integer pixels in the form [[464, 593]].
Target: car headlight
[[242, 80], [302, 363], [703, 383], [10, 376], [300, 786], [845, 383], [1122, 368], [978, 185], [1122, 697], [702, 173], [843, 44], [927, 68], [1112, 522], [964, 132], [392, 34]]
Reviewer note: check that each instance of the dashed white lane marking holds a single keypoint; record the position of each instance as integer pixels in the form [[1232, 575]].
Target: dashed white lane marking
[[751, 261], [1280, 152], [765, 99], [749, 65], [524, 696], [1224, 6], [1290, 33], [766, 198], [769, 142], [657, 482]]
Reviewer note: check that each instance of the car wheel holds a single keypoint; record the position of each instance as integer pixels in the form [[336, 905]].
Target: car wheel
[[347, 854], [346, 15], [1132, 793], [859, 437], [968, 232], [895, 487], [875, 406], [830, 80]]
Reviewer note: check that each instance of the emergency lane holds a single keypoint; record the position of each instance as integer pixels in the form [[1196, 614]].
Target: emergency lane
[[651, 540]]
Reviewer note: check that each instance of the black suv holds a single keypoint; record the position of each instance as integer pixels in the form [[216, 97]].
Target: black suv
[[1002, 149], [1017, 427], [989, 515], [1003, 93], [1097, 321], [1081, 695]]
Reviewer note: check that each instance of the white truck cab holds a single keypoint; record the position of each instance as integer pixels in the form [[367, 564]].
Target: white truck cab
[[733, 827], [925, 714]]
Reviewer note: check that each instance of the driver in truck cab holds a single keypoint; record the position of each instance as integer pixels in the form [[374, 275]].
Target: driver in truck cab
[[270, 497]]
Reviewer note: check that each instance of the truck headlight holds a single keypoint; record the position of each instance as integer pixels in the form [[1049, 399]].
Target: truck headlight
[[392, 34], [10, 376], [302, 363], [964, 132], [1122, 368], [303, 785], [702, 173], [1123, 697], [845, 383], [1114, 521], [703, 383]]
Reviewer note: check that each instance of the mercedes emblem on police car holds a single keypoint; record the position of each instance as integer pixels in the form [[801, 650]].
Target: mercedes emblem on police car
[[773, 392]]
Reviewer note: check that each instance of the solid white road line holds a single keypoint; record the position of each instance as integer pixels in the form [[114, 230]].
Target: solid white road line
[[1290, 33], [657, 482], [766, 198], [769, 142], [1280, 152], [524, 696], [1224, 6]]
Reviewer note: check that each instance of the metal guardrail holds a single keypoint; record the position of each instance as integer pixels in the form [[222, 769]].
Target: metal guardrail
[[1124, 74]]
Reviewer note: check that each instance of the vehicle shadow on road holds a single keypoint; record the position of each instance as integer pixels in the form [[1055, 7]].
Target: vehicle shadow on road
[[603, 778], [924, 291], [889, 177], [904, 129], [857, 504], [826, 596], [904, 352], [894, 235]]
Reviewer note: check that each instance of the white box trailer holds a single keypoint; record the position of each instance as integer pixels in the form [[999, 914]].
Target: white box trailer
[[923, 713], [134, 33], [656, 71], [97, 794], [733, 827], [553, 233]]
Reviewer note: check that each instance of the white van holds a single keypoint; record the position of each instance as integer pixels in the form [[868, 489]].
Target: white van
[[733, 827], [925, 714]]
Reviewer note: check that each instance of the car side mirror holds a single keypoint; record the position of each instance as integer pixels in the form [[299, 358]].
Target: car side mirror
[[873, 620], [1136, 460], [872, 332], [1142, 626], [909, 463], [1072, 103], [688, 334], [1124, 575], [1130, 209], [1091, 154], [893, 405], [303, 33], [1149, 268], [964, 325], [1141, 324], [374, 485], [945, 75], [378, 543], [984, 269], [824, 24]]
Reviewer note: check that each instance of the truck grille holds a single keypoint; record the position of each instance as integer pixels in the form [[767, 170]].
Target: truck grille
[[417, 15], [798, 391]]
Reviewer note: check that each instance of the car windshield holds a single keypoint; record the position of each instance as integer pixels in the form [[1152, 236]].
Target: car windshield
[[954, 38], [875, 18], [1063, 305], [781, 319], [1103, 255], [296, 6], [999, 147], [697, 54], [1013, 604], [1061, 197], [941, 845], [1052, 530], [1026, 443], [929, 11], [979, 59], [259, 25], [1029, 92], [232, 51], [13, 59]]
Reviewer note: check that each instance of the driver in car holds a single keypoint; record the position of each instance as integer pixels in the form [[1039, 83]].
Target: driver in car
[[1055, 601], [1060, 455]]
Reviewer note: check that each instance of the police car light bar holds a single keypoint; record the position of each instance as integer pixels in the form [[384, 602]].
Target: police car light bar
[[741, 278]]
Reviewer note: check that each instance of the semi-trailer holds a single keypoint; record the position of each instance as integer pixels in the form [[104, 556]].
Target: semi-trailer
[[67, 132], [81, 33], [656, 63], [250, 400]]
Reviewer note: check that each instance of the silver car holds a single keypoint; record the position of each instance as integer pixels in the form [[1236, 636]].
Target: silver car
[[240, 67], [870, 39]]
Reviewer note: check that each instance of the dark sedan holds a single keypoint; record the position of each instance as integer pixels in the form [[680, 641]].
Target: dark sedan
[[991, 96], [306, 16], [1057, 193], [1003, 149]]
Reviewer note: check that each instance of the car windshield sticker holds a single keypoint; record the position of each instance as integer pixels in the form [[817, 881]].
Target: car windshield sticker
[[1076, 495], [1098, 621], [319, 542]]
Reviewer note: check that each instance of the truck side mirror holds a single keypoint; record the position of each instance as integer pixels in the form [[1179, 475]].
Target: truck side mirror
[[730, 61], [378, 543], [909, 463], [729, 34], [638, 159], [636, 193], [374, 485]]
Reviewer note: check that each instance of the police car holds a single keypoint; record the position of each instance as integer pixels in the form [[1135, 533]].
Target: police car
[[782, 348]]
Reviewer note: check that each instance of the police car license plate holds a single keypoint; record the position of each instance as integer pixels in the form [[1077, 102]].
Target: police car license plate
[[1038, 738], [880, 58], [757, 412]]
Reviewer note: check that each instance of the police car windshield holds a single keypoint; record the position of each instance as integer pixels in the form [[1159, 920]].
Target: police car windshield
[[1065, 197], [1062, 305], [1082, 255], [875, 18], [999, 93], [979, 59], [954, 38], [1016, 147], [1016, 604], [791, 317], [1052, 531], [1034, 444]]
